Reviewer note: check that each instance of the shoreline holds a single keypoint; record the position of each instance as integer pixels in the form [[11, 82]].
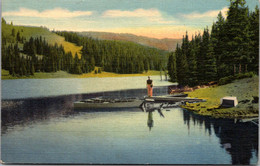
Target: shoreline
[[62, 74], [244, 90]]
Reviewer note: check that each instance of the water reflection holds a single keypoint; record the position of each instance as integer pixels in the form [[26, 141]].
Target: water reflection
[[150, 108], [240, 140], [27, 111], [150, 120]]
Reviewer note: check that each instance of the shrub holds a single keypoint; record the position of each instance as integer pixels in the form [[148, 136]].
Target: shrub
[[225, 80], [229, 79]]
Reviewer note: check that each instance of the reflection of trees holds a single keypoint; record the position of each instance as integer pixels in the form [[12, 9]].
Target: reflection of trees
[[238, 139], [30, 110]]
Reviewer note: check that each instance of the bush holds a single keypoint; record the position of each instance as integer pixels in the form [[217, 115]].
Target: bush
[[225, 80], [229, 79]]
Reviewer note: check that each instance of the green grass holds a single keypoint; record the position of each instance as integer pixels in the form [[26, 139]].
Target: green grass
[[243, 89], [50, 37]]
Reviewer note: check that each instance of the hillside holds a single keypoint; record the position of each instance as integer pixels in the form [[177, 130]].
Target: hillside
[[29, 31], [164, 44], [29, 50]]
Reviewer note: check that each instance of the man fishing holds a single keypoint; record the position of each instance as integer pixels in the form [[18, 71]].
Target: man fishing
[[149, 87]]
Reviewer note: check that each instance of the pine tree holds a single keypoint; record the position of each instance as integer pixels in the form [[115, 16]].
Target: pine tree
[[237, 28], [181, 66], [253, 64], [171, 67], [219, 40], [192, 79], [201, 57], [210, 65]]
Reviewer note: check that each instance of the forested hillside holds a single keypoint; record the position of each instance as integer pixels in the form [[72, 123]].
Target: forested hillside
[[230, 48], [26, 50], [117, 56]]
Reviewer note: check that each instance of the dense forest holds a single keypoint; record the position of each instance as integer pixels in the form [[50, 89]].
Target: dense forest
[[27, 57], [24, 57], [230, 48], [117, 56]]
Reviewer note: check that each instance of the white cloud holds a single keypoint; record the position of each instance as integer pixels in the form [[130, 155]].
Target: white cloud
[[152, 15], [135, 13], [208, 14], [53, 13]]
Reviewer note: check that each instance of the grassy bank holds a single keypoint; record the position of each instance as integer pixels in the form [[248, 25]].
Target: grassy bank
[[243, 89], [62, 74]]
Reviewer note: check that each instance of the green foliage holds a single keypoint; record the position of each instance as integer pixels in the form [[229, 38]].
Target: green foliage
[[229, 79], [225, 80], [117, 56], [171, 67], [232, 48]]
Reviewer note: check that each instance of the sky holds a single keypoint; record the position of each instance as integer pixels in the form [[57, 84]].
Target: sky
[[151, 18]]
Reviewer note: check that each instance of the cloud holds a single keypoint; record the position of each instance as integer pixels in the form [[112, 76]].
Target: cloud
[[208, 14], [53, 13], [135, 13], [152, 15]]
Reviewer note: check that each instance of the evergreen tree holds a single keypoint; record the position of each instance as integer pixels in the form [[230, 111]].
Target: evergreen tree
[[237, 31], [201, 57], [253, 64], [171, 67], [192, 79], [181, 67]]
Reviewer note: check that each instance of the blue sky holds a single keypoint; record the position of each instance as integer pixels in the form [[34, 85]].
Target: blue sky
[[152, 18]]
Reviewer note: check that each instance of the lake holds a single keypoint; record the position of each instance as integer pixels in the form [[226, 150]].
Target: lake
[[28, 88], [48, 130]]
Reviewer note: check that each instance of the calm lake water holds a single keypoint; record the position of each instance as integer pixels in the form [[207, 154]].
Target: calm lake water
[[25, 88], [48, 130]]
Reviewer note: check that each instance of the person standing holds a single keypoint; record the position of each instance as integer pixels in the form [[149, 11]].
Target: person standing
[[149, 87]]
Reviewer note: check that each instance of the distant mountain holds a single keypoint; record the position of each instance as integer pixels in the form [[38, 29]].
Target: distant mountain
[[164, 44]]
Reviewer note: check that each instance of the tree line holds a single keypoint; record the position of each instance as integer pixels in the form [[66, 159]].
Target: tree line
[[117, 56], [37, 55], [23, 57], [230, 48]]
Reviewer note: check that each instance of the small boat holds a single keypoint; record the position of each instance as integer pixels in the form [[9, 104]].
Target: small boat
[[108, 103]]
